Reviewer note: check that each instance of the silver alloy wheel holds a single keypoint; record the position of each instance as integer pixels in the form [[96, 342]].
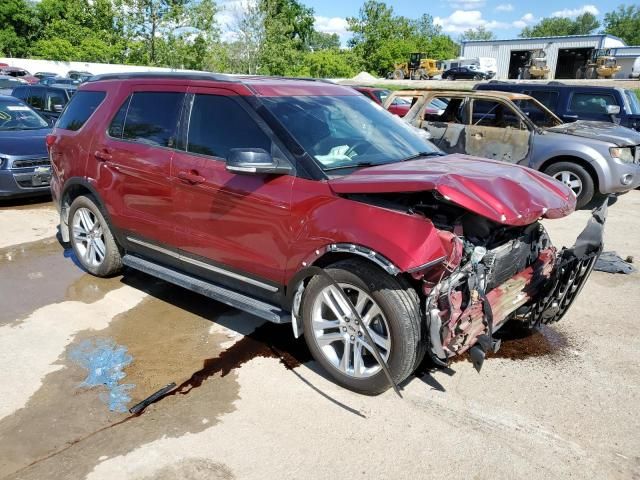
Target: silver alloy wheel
[[88, 237], [341, 339], [571, 180]]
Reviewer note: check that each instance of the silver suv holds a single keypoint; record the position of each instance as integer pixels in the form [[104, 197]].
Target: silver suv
[[589, 157]]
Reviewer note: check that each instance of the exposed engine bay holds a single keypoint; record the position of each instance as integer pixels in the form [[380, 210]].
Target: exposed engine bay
[[493, 273]]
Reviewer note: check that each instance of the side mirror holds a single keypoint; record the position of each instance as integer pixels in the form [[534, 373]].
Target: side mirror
[[613, 109], [254, 161]]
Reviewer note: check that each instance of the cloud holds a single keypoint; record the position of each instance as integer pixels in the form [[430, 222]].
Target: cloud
[[524, 21], [574, 12], [331, 25], [463, 20], [504, 7], [467, 4]]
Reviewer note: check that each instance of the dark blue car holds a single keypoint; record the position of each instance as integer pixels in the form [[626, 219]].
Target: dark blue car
[[579, 102], [25, 169]]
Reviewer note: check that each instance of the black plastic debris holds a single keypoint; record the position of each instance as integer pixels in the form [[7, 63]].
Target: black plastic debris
[[611, 262]]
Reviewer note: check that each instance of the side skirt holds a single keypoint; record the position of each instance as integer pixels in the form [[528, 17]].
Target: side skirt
[[221, 294]]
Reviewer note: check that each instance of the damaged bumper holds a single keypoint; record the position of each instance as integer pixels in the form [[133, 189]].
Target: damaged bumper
[[466, 308]]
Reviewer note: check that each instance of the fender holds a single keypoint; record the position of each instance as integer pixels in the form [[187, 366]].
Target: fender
[[63, 207]]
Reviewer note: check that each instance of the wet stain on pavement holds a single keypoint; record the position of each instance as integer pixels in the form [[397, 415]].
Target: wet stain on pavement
[[40, 273], [168, 334], [192, 469], [33, 203], [519, 344]]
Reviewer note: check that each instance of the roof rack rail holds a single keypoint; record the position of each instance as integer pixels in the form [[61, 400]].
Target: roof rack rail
[[174, 75], [555, 82]]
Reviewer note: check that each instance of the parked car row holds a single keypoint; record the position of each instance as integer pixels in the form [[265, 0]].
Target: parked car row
[[304, 202]]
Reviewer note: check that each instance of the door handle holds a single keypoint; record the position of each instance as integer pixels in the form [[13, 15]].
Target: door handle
[[192, 177], [103, 155], [478, 135]]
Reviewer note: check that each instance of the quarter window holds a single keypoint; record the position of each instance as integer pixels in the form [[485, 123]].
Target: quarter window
[[591, 103], [219, 124], [79, 109]]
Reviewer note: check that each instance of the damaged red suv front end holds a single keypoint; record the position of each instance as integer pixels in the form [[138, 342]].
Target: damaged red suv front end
[[500, 264]]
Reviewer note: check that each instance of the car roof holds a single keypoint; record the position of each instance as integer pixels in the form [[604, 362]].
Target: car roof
[[551, 84], [257, 85], [467, 92], [9, 98]]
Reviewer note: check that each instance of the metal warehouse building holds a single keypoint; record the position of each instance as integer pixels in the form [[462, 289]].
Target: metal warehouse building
[[564, 54]]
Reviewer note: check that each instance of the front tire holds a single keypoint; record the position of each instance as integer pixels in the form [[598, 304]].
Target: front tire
[[576, 177], [389, 309], [91, 238]]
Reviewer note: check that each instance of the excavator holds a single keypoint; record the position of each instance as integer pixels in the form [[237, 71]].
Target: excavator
[[601, 64], [419, 67], [536, 66]]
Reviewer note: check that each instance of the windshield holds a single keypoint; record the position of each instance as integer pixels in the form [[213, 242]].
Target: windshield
[[348, 131], [540, 115], [634, 103], [9, 82], [17, 116], [381, 95]]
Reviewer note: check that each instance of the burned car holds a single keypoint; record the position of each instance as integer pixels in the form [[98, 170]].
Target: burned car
[[590, 157], [305, 202]]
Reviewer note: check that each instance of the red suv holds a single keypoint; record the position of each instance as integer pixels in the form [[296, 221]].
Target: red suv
[[304, 202]]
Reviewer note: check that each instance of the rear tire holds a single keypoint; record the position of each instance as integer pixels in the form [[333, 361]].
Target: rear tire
[[398, 326], [573, 172], [398, 75], [91, 238]]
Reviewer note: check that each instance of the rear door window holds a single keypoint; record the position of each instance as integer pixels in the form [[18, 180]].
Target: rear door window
[[37, 97], [591, 103], [490, 113], [219, 124], [151, 118], [548, 98], [80, 108]]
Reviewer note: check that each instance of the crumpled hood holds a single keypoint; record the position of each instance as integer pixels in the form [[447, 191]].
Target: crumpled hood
[[505, 193], [24, 142], [605, 131]]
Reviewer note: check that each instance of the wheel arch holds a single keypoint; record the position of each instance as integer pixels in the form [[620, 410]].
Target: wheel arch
[[74, 188], [572, 159]]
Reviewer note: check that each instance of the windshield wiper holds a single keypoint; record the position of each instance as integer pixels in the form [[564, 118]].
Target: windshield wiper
[[352, 165], [423, 154]]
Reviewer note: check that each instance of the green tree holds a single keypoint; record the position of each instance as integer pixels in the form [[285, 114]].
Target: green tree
[[323, 41], [18, 27], [329, 63], [479, 33], [288, 26], [624, 22], [78, 30], [243, 53], [557, 26]]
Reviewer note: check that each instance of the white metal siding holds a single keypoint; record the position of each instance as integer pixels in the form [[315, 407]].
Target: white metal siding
[[501, 50]]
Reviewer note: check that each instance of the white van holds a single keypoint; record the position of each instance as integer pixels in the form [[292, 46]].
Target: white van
[[635, 69]]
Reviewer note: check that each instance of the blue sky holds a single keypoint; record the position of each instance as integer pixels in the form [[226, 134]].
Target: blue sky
[[504, 17]]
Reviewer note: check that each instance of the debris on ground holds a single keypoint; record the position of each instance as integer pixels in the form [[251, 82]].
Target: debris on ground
[[611, 262], [105, 360], [364, 77]]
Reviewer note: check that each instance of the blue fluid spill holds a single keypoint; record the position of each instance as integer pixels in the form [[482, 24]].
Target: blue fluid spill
[[104, 361]]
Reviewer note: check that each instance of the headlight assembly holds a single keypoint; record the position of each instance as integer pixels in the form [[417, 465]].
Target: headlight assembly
[[625, 154]]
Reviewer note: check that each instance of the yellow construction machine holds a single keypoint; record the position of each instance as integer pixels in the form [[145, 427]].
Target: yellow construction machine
[[419, 67], [601, 64], [536, 66]]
